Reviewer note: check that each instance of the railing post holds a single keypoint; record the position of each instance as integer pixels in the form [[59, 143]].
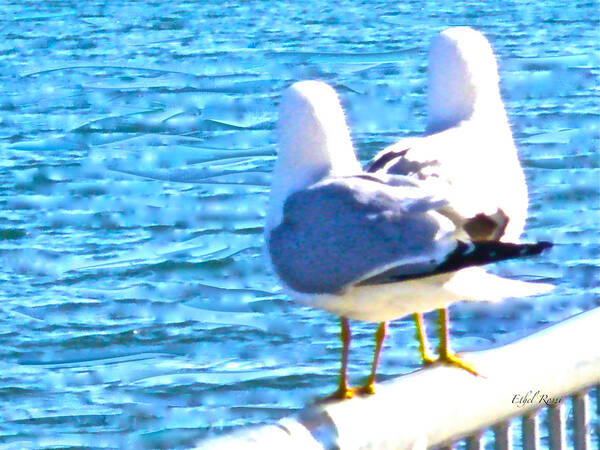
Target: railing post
[[597, 389], [581, 422], [475, 441], [557, 427], [530, 431], [503, 436]]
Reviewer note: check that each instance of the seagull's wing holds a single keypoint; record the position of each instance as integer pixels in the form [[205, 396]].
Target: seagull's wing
[[364, 229], [341, 230], [404, 158], [478, 214]]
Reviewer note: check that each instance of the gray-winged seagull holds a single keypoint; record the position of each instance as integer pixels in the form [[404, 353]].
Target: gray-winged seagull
[[372, 247], [468, 147]]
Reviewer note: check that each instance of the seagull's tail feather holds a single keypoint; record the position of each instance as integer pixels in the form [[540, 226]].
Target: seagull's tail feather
[[474, 283]]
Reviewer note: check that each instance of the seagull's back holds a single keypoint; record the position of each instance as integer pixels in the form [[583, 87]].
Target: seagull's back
[[468, 144]]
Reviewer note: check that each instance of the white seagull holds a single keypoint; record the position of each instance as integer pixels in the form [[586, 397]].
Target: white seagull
[[468, 149], [372, 247], [468, 144]]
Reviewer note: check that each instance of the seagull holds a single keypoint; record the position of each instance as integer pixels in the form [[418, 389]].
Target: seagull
[[468, 149], [468, 144], [368, 246]]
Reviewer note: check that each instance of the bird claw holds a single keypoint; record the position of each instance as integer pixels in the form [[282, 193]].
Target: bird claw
[[346, 393], [342, 393], [428, 359], [452, 359], [366, 389]]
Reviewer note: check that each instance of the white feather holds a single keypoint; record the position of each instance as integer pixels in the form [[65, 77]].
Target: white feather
[[314, 141], [468, 135]]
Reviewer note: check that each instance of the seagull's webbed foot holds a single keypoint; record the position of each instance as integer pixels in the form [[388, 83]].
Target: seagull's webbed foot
[[453, 359], [341, 393], [366, 389], [344, 392], [447, 356], [428, 358]]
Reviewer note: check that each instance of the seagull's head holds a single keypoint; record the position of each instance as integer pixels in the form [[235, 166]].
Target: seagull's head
[[313, 142], [312, 131], [463, 78]]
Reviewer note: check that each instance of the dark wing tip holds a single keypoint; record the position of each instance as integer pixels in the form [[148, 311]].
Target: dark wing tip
[[384, 159], [486, 252], [541, 246], [467, 255]]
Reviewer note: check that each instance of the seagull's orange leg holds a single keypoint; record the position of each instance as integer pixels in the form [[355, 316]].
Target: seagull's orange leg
[[369, 386], [343, 391], [446, 354], [424, 350]]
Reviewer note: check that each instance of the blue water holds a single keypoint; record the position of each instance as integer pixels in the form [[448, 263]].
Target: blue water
[[136, 140]]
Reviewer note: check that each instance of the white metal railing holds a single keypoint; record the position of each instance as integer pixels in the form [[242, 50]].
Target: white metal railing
[[556, 423], [439, 406]]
